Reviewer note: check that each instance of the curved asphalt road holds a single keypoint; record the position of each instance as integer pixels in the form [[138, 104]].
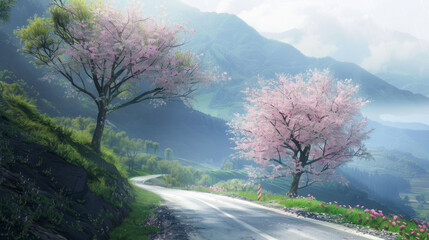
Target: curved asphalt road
[[220, 217]]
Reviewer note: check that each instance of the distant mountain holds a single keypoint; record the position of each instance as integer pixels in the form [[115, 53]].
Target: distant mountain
[[406, 125], [415, 142], [398, 58], [238, 49]]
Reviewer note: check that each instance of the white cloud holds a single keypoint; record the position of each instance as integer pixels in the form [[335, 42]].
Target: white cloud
[[409, 16], [266, 18]]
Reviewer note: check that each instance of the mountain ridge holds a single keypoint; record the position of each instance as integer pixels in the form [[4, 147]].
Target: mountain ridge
[[234, 46]]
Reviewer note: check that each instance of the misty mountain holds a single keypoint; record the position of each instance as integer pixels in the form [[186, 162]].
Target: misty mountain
[[400, 139], [238, 49], [398, 58]]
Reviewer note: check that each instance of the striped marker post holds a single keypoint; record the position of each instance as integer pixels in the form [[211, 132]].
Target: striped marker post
[[259, 192]]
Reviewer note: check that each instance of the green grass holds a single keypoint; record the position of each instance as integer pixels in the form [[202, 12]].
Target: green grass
[[134, 226], [21, 118]]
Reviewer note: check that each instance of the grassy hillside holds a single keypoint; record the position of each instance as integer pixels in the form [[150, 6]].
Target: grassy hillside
[[52, 184]]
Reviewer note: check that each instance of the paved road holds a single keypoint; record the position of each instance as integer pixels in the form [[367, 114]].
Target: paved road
[[219, 217]]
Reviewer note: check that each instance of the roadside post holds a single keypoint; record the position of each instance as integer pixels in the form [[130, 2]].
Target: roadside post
[[259, 192]]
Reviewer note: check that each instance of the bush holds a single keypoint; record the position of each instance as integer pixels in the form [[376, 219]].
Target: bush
[[236, 185]]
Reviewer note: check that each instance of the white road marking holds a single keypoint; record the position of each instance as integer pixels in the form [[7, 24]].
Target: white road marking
[[264, 235], [301, 234]]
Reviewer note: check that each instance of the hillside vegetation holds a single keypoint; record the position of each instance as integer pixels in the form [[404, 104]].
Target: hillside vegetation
[[52, 184]]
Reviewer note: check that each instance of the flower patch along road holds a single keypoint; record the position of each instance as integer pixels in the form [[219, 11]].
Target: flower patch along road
[[220, 217]]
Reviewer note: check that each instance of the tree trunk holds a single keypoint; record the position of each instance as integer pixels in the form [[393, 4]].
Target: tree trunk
[[98, 133], [294, 186]]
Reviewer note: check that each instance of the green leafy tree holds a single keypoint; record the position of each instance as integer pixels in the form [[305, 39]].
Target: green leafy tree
[[5, 7], [168, 154], [151, 164], [130, 148], [155, 147], [227, 166], [147, 145]]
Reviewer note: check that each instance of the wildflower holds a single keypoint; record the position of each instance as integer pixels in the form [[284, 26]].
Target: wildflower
[[376, 226], [422, 230], [395, 217], [386, 226], [393, 223]]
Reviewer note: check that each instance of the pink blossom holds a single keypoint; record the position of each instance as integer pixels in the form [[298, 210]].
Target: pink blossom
[[291, 115]]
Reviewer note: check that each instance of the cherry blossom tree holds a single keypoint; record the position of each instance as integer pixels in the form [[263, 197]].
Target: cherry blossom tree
[[305, 126], [116, 58]]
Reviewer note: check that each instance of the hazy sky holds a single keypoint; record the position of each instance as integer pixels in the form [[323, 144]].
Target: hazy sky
[[409, 16]]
